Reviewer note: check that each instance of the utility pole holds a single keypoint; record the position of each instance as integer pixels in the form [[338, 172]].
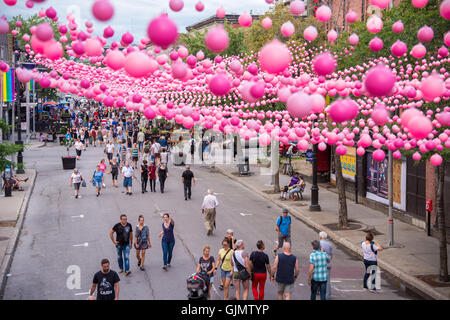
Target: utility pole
[[315, 206], [19, 115], [391, 200]]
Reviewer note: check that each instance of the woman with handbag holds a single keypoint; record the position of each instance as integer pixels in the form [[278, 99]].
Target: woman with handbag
[[76, 180], [241, 270], [141, 242], [226, 266]]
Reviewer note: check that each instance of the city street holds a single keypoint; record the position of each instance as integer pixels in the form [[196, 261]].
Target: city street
[[61, 232]]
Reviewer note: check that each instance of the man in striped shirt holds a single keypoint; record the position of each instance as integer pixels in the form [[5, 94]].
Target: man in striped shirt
[[318, 271]]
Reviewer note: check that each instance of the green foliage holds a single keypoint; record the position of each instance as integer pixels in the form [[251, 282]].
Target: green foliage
[[257, 36], [195, 42], [7, 149]]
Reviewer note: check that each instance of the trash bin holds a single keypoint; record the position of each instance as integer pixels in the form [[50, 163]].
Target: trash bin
[[243, 166]]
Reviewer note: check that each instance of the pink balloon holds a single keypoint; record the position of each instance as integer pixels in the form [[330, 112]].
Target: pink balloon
[[10, 2], [418, 51], [264, 139], [258, 90], [93, 47], [149, 113], [217, 40], [398, 26], [44, 32], [353, 39], [436, 159], [220, 12], [380, 3], [29, 4], [324, 63], [374, 24], [332, 35], [115, 59], [425, 34], [360, 151], [287, 29], [379, 81], [297, 7], [318, 103], [51, 13], [108, 32], [323, 13], [343, 110], [443, 51], [420, 127], [199, 6], [341, 150], [351, 16], [299, 105], [447, 39], [176, 5], [102, 10], [44, 82], [219, 85], [182, 52], [266, 23], [444, 9], [432, 87], [399, 48], [419, 3], [310, 33], [53, 50], [376, 44], [4, 26], [378, 155], [416, 156], [274, 57], [380, 114], [408, 114], [245, 20], [162, 31], [138, 64]]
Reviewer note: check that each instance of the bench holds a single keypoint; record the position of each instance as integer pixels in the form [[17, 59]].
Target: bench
[[297, 195]]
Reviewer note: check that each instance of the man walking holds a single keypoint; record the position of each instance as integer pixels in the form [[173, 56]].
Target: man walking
[[187, 178], [106, 281], [110, 151], [328, 248], [209, 206], [284, 230], [123, 242], [286, 269], [318, 271], [127, 175]]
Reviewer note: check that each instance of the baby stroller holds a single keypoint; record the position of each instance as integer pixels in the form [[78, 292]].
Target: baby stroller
[[197, 286]]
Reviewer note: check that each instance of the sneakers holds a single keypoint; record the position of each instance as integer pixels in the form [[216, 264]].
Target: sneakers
[[165, 268], [142, 268], [139, 263], [76, 197], [127, 273], [221, 287], [168, 265]]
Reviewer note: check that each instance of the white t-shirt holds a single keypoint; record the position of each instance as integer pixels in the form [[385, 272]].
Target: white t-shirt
[[155, 148], [164, 157], [141, 136], [78, 145], [238, 255], [368, 253], [76, 178], [109, 148], [127, 172]]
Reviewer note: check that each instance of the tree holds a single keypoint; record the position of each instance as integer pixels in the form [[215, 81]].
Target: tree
[[6, 148], [340, 185], [443, 261]]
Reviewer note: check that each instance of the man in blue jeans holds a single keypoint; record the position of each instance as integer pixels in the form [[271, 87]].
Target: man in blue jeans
[[123, 242], [318, 271]]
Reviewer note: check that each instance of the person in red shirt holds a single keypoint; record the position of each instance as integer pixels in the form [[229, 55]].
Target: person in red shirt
[[93, 137], [152, 176]]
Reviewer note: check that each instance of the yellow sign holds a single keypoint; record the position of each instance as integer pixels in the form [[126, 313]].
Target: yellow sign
[[348, 162]]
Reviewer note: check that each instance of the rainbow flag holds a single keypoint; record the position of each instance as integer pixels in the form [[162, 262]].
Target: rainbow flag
[[30, 85], [8, 86]]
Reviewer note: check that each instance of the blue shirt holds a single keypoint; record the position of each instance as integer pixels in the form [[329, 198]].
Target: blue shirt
[[320, 261], [168, 233], [284, 223], [328, 248], [294, 180], [98, 176]]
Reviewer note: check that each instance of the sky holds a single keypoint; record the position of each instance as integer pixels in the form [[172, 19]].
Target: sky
[[135, 15]]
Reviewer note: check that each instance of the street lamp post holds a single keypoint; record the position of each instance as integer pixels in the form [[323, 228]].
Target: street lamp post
[[314, 188], [19, 113]]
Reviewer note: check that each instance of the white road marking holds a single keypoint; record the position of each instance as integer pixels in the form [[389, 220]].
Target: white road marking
[[215, 193], [80, 216], [333, 281], [81, 293], [349, 290], [245, 214], [81, 245], [301, 284], [9, 275]]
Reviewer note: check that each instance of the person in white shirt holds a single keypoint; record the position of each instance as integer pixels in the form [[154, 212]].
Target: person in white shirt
[[154, 151], [141, 138], [209, 206], [78, 148], [110, 151], [128, 175], [370, 249], [75, 180], [164, 156]]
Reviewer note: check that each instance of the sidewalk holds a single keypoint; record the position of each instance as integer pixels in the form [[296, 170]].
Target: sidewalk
[[416, 254], [11, 220]]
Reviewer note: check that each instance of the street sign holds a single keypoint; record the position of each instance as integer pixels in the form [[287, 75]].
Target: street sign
[[429, 205], [309, 155]]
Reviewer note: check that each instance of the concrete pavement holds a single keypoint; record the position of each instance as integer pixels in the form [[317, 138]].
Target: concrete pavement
[[416, 256], [64, 239]]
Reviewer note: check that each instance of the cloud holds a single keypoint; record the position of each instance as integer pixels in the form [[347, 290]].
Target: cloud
[[134, 15]]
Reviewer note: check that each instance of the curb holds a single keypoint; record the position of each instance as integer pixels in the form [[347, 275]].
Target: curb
[[415, 284], [13, 242]]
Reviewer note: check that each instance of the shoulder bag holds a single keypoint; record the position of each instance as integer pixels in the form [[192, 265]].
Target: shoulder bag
[[243, 273]]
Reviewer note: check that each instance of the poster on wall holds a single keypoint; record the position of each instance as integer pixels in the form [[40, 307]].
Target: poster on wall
[[348, 163], [377, 177]]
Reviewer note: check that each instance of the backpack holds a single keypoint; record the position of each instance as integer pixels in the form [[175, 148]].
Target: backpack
[[281, 221]]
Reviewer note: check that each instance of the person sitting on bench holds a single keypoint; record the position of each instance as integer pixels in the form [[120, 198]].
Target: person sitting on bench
[[297, 184]]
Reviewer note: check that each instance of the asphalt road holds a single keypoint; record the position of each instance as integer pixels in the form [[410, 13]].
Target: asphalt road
[[62, 234]]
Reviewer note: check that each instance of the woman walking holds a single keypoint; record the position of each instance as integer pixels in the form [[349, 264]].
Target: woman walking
[[78, 148], [225, 263], [162, 175], [135, 155], [152, 176], [114, 171], [370, 250], [168, 240], [76, 179], [259, 264], [141, 242], [144, 176], [98, 179], [207, 266], [240, 262], [102, 166]]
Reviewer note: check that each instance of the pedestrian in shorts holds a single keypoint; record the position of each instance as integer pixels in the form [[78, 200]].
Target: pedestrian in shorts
[[141, 242], [283, 228], [98, 179], [286, 269], [114, 171], [76, 180]]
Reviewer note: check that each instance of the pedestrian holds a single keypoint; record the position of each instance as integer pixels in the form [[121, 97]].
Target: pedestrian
[[164, 156], [187, 178], [168, 240], [98, 179], [152, 176], [207, 266], [209, 206], [123, 242], [106, 281], [141, 242], [144, 176], [285, 271], [123, 151], [370, 250], [162, 176], [93, 137], [283, 228], [128, 175], [241, 270], [78, 148], [318, 271], [192, 144], [326, 246], [102, 166], [260, 266], [135, 155], [225, 263], [109, 150], [146, 152], [140, 139], [231, 238], [76, 179], [155, 151], [114, 171]]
